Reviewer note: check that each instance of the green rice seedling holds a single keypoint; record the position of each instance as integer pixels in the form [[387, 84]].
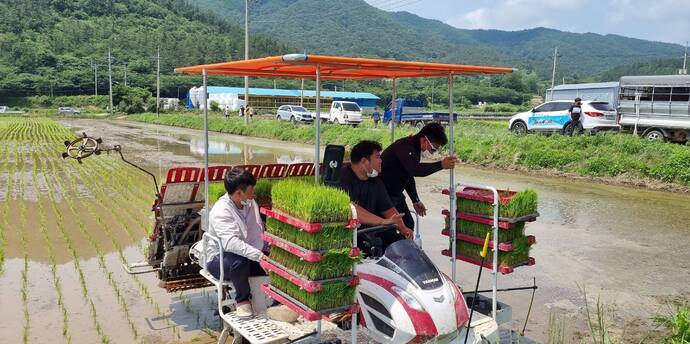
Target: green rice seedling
[[216, 190], [557, 329], [523, 203], [335, 263], [311, 202], [331, 236], [332, 295], [262, 191], [519, 254], [479, 230], [677, 322], [51, 253]]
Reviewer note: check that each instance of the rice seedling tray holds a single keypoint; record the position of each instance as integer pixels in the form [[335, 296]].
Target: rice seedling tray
[[301, 281], [503, 269], [331, 236], [502, 246], [514, 206], [293, 221], [300, 308], [334, 263], [479, 229], [502, 224], [302, 253]]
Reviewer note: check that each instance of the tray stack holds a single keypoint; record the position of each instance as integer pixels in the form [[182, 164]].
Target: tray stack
[[474, 218], [310, 263]]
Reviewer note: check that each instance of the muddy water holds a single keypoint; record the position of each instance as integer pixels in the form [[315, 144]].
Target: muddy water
[[628, 246]]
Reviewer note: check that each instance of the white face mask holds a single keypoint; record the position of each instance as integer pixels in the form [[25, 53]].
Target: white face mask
[[373, 174]]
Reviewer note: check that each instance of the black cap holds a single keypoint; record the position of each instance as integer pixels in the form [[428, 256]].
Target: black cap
[[578, 99]]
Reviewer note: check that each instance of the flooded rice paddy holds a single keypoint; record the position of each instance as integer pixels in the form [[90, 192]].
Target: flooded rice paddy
[[68, 227]]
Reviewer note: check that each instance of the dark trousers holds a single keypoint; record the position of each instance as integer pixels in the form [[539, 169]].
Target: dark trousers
[[401, 206], [576, 123], [237, 269]]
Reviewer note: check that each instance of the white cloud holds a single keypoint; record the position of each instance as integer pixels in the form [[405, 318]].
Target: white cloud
[[518, 14], [664, 20]]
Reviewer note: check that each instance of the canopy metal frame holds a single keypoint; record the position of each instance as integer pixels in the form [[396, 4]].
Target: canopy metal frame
[[302, 66]]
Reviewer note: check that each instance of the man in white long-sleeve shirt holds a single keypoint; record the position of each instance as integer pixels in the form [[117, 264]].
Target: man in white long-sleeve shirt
[[235, 220]]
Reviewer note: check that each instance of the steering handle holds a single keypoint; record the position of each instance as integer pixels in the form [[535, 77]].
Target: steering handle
[[373, 229]]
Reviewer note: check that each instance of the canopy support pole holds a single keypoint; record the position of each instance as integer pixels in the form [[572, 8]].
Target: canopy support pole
[[317, 144], [393, 109], [206, 213], [451, 189]]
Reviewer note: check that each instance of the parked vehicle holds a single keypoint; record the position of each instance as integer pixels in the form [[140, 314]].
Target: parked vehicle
[[553, 117], [412, 112], [3, 108], [68, 111], [294, 114], [345, 113], [664, 106]]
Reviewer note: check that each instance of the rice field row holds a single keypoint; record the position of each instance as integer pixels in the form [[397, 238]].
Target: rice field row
[[65, 230]]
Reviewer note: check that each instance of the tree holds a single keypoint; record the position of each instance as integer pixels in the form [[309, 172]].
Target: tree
[[132, 99]]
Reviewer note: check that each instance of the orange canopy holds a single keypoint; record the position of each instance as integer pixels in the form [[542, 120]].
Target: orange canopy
[[334, 67]]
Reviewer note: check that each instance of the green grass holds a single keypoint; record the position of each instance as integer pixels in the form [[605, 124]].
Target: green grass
[[332, 236], [332, 295], [678, 323], [310, 202], [523, 203], [479, 230], [335, 263], [490, 144], [519, 254]]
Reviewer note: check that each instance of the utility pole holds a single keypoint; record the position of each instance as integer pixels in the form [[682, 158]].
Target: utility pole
[[246, 57], [553, 74], [685, 60], [301, 94], [433, 82], [158, 80], [110, 80], [95, 78], [125, 75]]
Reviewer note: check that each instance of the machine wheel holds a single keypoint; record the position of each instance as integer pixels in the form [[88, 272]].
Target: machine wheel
[[293, 120], [355, 125], [655, 135], [519, 128], [278, 117], [419, 125]]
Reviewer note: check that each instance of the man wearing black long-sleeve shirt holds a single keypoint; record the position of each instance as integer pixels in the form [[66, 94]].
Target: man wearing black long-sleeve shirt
[[402, 162]]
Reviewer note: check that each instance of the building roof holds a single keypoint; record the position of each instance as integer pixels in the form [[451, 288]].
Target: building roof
[[592, 85], [337, 68], [290, 93], [656, 80]]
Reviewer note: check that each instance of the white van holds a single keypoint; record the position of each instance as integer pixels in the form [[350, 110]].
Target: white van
[[553, 117], [345, 113]]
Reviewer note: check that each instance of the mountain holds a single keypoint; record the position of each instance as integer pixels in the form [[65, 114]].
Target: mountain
[[354, 28], [52, 44]]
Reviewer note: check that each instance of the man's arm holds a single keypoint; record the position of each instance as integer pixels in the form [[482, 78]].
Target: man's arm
[[396, 219], [411, 189], [228, 231], [367, 218], [410, 162]]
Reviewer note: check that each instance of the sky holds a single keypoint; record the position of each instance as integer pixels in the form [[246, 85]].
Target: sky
[[656, 20]]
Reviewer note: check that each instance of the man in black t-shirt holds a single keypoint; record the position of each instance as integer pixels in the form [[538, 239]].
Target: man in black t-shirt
[[575, 113], [402, 163], [368, 193]]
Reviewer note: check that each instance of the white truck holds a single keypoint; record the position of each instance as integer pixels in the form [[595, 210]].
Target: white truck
[[345, 113]]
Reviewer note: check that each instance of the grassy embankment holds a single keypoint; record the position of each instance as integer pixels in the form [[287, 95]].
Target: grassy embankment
[[485, 143]]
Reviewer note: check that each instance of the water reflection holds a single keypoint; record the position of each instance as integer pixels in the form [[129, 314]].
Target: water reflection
[[240, 153]]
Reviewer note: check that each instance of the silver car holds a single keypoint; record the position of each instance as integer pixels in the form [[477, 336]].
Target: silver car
[[68, 111], [294, 114]]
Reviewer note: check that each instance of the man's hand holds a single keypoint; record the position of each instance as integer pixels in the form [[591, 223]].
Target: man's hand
[[393, 220], [406, 232], [449, 162], [419, 208], [264, 258]]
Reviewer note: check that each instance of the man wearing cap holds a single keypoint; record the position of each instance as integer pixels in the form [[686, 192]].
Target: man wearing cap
[[575, 113]]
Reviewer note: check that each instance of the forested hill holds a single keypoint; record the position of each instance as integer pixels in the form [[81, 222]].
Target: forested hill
[[51, 44], [354, 28]]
